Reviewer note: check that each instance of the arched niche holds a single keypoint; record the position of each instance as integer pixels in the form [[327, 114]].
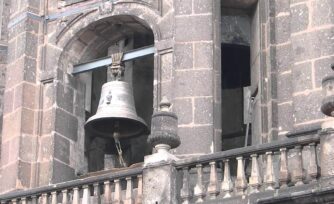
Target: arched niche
[[98, 39]]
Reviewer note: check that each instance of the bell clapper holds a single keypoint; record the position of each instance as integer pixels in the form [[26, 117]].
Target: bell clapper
[[118, 145]]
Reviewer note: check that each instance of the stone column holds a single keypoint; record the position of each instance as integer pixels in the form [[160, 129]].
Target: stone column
[[19, 138], [327, 133], [159, 175], [197, 75]]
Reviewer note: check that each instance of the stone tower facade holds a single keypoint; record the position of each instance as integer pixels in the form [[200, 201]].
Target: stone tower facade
[[288, 46]]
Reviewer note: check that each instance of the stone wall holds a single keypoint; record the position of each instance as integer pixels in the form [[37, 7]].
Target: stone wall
[[4, 15], [197, 75], [296, 44]]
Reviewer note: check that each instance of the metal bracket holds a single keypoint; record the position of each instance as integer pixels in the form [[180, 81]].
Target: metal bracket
[[130, 55]]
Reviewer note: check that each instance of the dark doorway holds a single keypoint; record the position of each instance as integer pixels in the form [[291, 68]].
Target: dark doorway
[[235, 76]]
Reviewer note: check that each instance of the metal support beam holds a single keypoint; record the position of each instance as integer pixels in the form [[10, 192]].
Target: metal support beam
[[130, 55]]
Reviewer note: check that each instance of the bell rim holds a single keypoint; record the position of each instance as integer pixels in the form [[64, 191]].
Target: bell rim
[[96, 118]]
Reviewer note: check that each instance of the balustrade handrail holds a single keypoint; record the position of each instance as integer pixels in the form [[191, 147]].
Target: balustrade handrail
[[247, 151], [71, 184]]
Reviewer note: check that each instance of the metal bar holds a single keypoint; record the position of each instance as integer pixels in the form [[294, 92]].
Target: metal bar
[[130, 55]]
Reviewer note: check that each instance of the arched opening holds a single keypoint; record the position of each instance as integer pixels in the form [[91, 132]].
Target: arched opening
[[100, 39]]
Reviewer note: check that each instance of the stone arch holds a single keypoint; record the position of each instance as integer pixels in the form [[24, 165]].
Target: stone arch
[[151, 18], [68, 42]]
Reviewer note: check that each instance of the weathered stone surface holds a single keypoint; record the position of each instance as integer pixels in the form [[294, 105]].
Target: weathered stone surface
[[203, 110], [304, 47], [199, 28], [203, 55], [203, 6], [322, 69], [302, 77], [299, 18], [183, 109], [281, 57], [323, 12], [193, 83], [61, 172], [183, 53], [182, 7], [281, 30], [200, 138], [284, 87], [66, 124], [160, 184], [307, 107], [65, 97]]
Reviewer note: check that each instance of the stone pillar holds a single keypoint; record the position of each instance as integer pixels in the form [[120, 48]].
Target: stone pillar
[[327, 133], [159, 175], [19, 137], [197, 75]]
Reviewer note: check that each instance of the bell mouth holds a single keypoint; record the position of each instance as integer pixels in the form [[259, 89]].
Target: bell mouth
[[105, 126]]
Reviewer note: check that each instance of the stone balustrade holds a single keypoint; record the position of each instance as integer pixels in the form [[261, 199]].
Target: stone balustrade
[[250, 170], [115, 187]]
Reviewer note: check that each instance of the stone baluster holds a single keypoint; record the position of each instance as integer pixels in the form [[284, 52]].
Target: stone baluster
[[45, 198], [118, 192], [139, 198], [97, 193], [129, 191], [297, 172], [14, 201], [198, 189], [227, 184], [255, 179], [312, 169], [240, 182], [54, 197], [185, 191], [24, 200], [65, 198], [270, 176], [107, 192], [76, 196], [284, 172], [213, 189], [86, 195], [34, 199]]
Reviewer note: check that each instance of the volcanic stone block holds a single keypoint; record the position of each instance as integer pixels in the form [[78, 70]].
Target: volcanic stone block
[[25, 96], [183, 110], [200, 138], [203, 110], [160, 184], [62, 172], [307, 107], [302, 77], [64, 97], [193, 83], [66, 124], [281, 57], [198, 28], [62, 150], [284, 87], [299, 18], [203, 6], [182, 7], [203, 55], [281, 33], [183, 53], [322, 69], [323, 12]]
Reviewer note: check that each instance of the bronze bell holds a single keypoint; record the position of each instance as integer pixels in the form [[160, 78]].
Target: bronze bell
[[116, 113], [116, 116]]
